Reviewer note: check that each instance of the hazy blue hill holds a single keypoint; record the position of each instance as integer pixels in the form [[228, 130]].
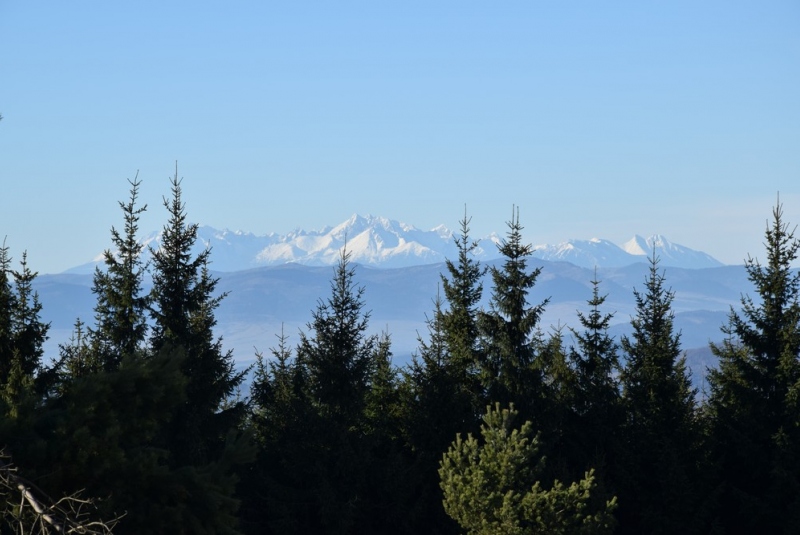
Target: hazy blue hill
[[263, 300]]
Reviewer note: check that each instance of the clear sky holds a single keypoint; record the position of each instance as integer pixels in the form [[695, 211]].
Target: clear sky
[[598, 119]]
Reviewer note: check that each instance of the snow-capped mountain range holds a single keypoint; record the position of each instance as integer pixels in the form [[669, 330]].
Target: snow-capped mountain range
[[381, 242]]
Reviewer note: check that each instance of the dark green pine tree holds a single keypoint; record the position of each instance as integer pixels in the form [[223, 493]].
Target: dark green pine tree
[[338, 354], [591, 406], [382, 410], [183, 302], [435, 407], [463, 288], [274, 393], [429, 389], [337, 359], [754, 404], [510, 371], [28, 335], [391, 485], [7, 305], [120, 310], [275, 488], [657, 489], [76, 358], [597, 402]]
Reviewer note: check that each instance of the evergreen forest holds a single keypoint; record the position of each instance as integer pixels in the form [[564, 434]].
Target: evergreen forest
[[142, 423]]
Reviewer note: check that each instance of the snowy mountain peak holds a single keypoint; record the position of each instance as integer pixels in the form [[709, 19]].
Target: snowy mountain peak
[[636, 246], [668, 253], [382, 242]]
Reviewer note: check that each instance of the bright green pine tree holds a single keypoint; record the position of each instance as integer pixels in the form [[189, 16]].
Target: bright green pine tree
[[182, 306], [754, 403], [121, 308], [510, 371], [493, 486], [656, 491]]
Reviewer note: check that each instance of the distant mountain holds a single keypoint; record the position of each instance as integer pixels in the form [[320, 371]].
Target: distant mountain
[[671, 254], [385, 243]]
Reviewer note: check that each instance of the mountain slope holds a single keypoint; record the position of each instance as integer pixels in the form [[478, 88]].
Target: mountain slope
[[671, 254], [381, 242]]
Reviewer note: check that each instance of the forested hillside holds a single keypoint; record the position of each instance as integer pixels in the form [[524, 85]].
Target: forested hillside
[[142, 423]]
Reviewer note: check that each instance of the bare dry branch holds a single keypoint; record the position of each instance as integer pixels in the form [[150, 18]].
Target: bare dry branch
[[26, 509]]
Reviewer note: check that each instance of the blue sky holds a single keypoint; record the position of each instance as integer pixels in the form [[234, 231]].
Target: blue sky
[[597, 119]]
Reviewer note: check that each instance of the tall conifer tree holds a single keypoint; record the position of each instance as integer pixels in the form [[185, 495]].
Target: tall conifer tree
[[28, 335], [657, 489], [755, 397], [336, 358], [276, 487], [463, 288], [120, 311], [183, 302], [7, 304], [337, 353], [596, 402], [510, 371], [437, 405]]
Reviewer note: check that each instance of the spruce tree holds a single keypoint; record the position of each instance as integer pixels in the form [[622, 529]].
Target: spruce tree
[[337, 353], [509, 368], [28, 335], [656, 490], [754, 405], [463, 288], [438, 402], [183, 302], [77, 360], [279, 481], [335, 360], [7, 305], [120, 310], [382, 411], [596, 402], [274, 393], [436, 406], [390, 483]]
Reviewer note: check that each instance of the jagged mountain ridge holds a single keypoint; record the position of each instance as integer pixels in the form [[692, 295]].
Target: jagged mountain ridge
[[385, 243], [603, 253]]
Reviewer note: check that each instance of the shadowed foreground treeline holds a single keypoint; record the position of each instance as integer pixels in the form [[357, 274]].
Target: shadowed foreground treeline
[[496, 427]]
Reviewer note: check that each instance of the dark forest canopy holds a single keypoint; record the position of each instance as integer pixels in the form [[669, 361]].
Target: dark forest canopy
[[497, 425]]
